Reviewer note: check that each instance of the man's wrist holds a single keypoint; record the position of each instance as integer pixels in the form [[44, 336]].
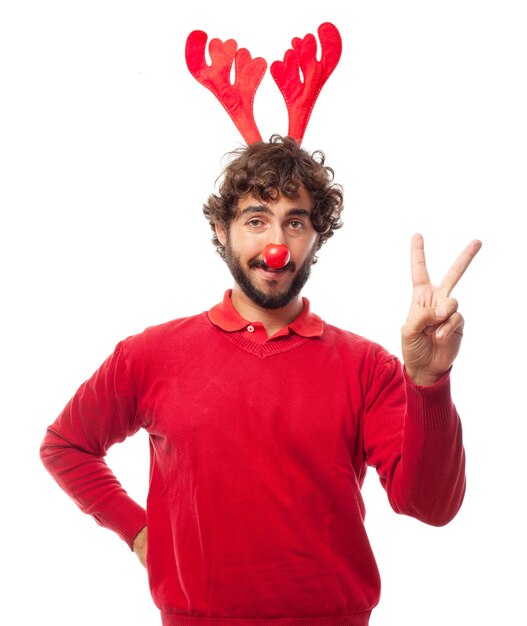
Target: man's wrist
[[422, 379]]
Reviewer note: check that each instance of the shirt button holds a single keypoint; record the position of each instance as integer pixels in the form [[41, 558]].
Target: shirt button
[[250, 328]]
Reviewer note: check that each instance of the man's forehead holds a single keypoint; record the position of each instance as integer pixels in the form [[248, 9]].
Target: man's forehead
[[300, 204]]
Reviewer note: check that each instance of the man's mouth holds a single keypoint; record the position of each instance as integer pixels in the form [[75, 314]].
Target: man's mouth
[[290, 267]]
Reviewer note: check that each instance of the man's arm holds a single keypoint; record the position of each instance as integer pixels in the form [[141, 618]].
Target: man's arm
[[412, 431], [413, 438], [101, 413]]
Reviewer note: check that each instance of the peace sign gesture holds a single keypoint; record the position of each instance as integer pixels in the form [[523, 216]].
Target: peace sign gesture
[[433, 331]]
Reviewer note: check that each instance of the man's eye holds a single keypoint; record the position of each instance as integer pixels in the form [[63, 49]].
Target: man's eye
[[296, 225]]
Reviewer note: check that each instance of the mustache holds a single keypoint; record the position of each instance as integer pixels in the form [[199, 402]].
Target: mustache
[[291, 266]]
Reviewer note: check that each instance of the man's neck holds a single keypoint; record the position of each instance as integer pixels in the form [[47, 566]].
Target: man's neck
[[273, 320]]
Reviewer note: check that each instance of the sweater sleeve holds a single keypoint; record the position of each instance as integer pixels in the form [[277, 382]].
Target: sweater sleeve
[[101, 413], [413, 438]]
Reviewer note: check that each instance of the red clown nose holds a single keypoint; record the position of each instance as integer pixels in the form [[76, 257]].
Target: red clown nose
[[276, 255]]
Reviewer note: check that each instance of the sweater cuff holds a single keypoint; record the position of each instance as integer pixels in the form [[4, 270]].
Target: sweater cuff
[[431, 406], [125, 517]]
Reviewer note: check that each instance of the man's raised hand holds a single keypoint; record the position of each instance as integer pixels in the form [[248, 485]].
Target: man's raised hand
[[432, 333]]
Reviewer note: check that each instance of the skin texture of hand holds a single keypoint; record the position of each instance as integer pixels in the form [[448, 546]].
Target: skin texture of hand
[[433, 331], [141, 545]]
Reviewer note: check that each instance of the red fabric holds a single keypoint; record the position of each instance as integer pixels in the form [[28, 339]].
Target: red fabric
[[237, 98], [226, 317], [258, 453], [301, 90], [358, 619], [300, 77]]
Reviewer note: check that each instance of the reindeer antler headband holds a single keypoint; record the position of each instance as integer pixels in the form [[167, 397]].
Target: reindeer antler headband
[[300, 76]]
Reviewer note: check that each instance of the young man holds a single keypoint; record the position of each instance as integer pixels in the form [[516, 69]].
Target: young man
[[263, 418]]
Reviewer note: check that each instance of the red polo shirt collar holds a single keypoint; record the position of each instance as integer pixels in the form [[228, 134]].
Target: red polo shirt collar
[[226, 317]]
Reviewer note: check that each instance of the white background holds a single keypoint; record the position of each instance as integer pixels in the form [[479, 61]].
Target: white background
[[108, 149]]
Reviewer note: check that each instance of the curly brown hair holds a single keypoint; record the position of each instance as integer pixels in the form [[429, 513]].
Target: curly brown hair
[[267, 170]]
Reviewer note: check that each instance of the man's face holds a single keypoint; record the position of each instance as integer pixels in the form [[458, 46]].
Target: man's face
[[284, 221]]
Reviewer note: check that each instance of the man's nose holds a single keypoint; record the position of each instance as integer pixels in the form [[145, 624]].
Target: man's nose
[[276, 235]]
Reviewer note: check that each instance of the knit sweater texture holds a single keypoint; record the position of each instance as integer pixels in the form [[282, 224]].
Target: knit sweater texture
[[258, 455]]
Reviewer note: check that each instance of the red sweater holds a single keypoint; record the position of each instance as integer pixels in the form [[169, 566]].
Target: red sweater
[[258, 453]]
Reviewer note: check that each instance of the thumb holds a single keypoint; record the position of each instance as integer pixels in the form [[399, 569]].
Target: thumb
[[426, 319]]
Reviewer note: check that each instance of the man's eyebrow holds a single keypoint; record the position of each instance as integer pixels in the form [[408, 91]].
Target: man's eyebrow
[[257, 208], [298, 213], [262, 208]]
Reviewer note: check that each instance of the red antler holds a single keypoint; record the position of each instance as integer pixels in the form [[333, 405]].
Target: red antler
[[237, 98], [300, 97]]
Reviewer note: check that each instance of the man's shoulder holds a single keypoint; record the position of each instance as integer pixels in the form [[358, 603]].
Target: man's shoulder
[[341, 335], [179, 330], [341, 339], [187, 323]]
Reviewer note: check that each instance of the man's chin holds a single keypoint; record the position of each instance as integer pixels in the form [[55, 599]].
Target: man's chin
[[270, 298]]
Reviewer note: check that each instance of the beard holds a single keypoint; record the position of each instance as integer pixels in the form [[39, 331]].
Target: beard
[[271, 299]]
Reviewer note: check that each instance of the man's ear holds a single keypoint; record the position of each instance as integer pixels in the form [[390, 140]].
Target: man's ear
[[221, 233]]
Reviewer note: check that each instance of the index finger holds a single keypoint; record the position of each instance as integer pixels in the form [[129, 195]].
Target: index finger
[[418, 262], [460, 265]]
